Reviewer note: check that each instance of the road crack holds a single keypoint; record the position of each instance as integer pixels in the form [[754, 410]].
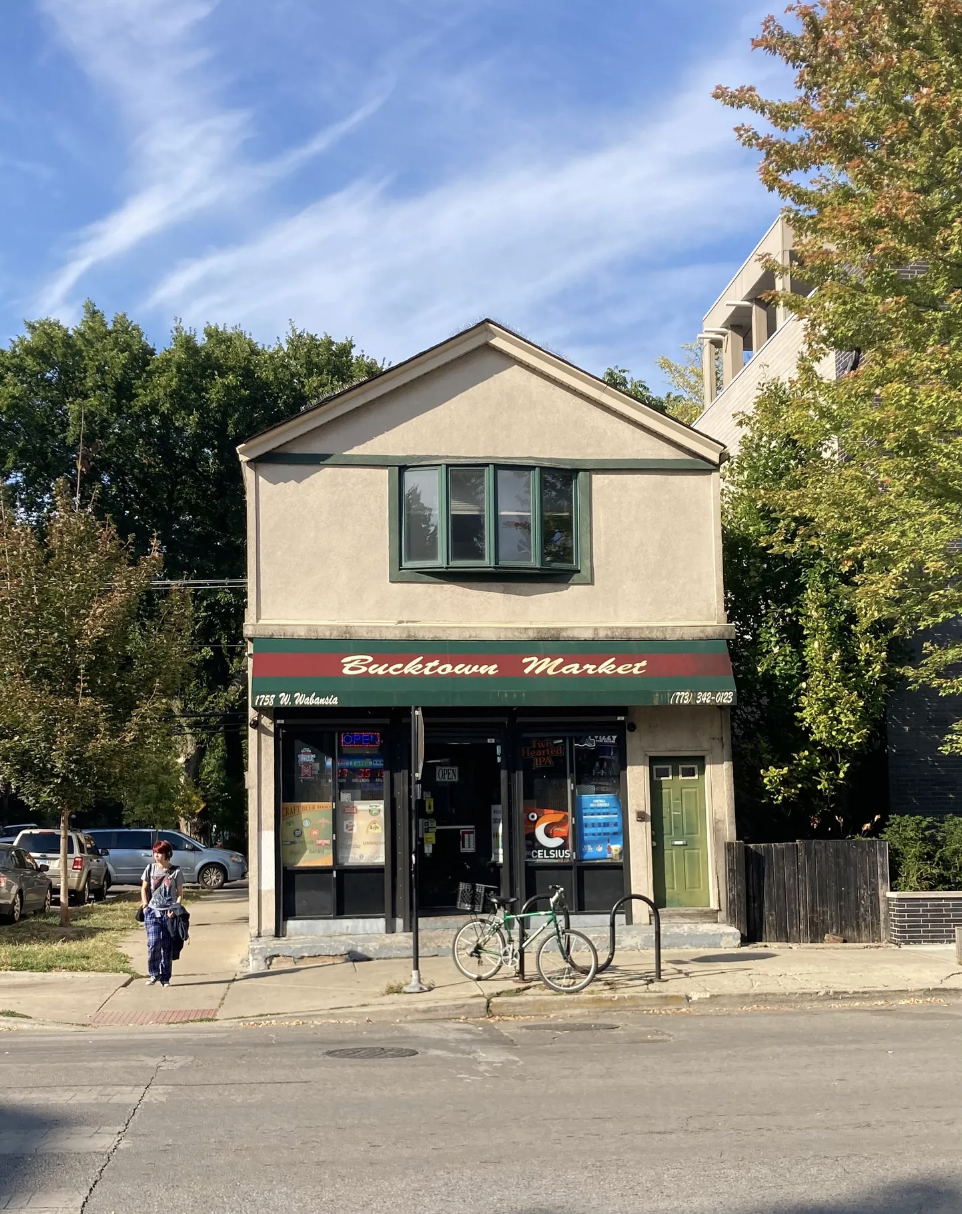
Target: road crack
[[123, 1132]]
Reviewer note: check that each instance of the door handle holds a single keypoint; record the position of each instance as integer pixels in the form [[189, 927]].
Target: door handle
[[679, 842]]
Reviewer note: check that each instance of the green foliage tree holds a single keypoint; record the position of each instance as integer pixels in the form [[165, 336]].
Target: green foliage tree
[[685, 377], [857, 483], [672, 403], [153, 436], [90, 667]]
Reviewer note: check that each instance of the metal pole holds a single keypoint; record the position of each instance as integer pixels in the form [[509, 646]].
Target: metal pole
[[415, 986]]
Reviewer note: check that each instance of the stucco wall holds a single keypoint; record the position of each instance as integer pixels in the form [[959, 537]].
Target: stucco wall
[[322, 554], [485, 404], [661, 732]]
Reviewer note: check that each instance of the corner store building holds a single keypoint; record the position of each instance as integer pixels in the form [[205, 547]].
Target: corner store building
[[489, 532]]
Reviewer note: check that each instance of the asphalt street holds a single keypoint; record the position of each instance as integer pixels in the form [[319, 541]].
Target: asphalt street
[[813, 1112]]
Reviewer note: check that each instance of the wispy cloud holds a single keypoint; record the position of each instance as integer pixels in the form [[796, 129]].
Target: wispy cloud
[[186, 147], [513, 240]]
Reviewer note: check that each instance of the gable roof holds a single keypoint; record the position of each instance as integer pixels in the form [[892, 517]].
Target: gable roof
[[486, 333]]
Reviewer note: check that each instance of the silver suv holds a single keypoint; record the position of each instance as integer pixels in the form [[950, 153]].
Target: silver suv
[[87, 871], [130, 851]]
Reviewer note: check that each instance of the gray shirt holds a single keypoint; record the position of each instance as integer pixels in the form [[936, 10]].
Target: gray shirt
[[166, 884]]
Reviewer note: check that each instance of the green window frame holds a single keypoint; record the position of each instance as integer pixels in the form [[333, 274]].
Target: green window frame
[[483, 518]]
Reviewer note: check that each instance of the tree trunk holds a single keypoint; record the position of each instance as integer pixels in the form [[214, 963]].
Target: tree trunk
[[64, 870]]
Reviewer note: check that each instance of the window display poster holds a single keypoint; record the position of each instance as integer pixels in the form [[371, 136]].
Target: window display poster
[[306, 838], [600, 830], [546, 834], [360, 832]]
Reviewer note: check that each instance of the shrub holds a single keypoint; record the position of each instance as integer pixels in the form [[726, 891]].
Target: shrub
[[925, 853]]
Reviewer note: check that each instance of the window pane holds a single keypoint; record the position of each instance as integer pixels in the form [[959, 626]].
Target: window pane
[[547, 812], [597, 759], [360, 798], [45, 843], [307, 806], [557, 505], [467, 514], [514, 515], [421, 498]]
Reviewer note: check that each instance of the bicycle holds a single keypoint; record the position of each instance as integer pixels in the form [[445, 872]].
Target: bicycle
[[567, 960]]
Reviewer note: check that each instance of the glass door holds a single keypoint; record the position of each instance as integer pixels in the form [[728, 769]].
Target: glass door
[[460, 820]]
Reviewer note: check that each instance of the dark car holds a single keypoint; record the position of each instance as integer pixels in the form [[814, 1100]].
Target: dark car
[[24, 884]]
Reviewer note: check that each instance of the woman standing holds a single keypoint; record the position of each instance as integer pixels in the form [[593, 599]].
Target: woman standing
[[162, 889]]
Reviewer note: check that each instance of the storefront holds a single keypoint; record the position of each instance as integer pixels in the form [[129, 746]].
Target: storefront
[[571, 664]]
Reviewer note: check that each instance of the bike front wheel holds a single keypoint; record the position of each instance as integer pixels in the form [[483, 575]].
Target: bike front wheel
[[567, 962], [479, 949]]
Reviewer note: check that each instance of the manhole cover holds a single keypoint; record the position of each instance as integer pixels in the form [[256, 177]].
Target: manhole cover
[[574, 1026], [372, 1051]]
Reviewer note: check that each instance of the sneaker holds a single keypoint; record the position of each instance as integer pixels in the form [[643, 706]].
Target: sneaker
[[163, 983], [151, 981]]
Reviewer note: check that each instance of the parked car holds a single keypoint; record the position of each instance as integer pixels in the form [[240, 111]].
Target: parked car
[[9, 833], [24, 884], [130, 851], [87, 871]]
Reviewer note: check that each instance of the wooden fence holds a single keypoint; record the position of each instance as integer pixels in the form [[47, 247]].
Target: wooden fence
[[799, 893]]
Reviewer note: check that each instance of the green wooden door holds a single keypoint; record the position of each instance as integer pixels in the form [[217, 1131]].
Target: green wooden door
[[679, 832]]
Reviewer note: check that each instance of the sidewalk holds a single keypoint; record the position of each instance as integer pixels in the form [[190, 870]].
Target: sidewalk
[[212, 982]]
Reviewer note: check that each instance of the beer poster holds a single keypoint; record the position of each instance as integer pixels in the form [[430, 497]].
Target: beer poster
[[360, 832], [306, 834]]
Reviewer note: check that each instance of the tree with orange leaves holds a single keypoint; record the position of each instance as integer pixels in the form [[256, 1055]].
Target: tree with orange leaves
[[853, 488]]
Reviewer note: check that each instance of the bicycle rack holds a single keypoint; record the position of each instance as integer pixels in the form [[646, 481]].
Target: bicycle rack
[[524, 910], [603, 965]]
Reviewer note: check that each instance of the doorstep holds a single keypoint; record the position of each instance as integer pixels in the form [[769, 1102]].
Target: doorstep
[[436, 943]]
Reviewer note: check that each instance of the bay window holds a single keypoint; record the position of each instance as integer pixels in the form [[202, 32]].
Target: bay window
[[489, 517]]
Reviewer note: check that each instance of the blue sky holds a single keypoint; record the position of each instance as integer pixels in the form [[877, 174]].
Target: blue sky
[[390, 170]]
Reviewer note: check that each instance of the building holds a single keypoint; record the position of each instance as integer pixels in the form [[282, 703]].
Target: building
[[754, 343], [534, 558]]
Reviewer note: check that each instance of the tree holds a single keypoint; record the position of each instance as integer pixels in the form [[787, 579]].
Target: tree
[[671, 403], [155, 435], [858, 482], [90, 666], [686, 377]]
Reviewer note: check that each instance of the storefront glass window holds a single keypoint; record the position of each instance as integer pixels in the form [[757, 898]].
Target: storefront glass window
[[360, 798], [332, 808], [307, 809], [597, 776], [572, 799], [547, 811]]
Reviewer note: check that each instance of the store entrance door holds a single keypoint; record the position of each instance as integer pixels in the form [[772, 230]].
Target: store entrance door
[[461, 817]]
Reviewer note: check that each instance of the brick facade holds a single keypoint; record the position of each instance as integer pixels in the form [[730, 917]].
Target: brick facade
[[929, 918], [922, 780]]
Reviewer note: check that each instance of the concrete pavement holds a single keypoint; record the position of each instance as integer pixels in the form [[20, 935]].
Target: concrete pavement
[[211, 982]]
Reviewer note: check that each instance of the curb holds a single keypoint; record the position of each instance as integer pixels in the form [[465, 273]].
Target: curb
[[518, 1007]]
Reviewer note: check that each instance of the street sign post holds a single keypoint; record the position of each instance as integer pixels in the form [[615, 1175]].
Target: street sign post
[[415, 986]]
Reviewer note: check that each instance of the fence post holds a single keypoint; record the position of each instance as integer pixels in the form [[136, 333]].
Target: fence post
[[737, 894], [884, 885]]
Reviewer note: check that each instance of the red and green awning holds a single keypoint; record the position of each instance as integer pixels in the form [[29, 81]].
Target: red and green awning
[[371, 674]]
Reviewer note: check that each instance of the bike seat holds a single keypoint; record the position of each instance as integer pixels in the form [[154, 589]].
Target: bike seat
[[500, 900]]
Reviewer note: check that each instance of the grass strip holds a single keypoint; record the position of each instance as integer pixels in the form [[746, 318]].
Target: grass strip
[[91, 944]]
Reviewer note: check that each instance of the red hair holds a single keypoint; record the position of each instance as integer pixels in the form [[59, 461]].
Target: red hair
[[163, 848]]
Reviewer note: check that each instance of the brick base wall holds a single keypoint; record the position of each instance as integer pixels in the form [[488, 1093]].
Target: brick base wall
[[929, 918]]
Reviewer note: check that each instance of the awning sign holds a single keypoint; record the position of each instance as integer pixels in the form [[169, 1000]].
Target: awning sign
[[309, 674]]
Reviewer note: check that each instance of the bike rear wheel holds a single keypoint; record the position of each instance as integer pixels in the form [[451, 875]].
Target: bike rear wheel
[[567, 962], [479, 949]]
